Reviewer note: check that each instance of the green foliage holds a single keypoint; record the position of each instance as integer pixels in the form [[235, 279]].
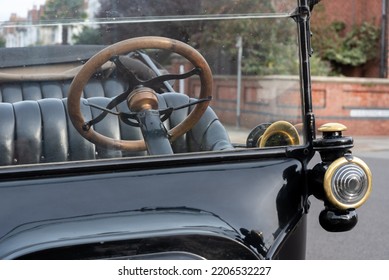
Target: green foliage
[[147, 8], [88, 36], [269, 45], [320, 67], [64, 9], [2, 42], [353, 48], [271, 57]]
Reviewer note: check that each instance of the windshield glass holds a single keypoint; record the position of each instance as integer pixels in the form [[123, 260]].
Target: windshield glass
[[251, 48]]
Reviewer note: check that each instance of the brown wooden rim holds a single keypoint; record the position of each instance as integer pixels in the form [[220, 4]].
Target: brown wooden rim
[[126, 46]]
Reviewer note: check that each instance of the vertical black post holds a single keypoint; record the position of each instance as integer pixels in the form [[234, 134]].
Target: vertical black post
[[65, 32], [302, 17]]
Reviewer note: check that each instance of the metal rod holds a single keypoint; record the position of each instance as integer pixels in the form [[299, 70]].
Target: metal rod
[[384, 40], [181, 87], [304, 35], [239, 45]]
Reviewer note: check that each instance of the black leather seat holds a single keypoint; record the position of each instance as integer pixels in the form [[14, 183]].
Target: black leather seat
[[35, 127]]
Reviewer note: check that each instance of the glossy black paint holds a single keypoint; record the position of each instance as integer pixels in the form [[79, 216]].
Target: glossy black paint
[[333, 220], [270, 202]]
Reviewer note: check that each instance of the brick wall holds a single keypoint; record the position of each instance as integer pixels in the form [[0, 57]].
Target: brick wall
[[352, 12], [361, 104]]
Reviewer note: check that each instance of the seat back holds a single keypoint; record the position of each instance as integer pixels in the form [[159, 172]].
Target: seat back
[[12, 92], [35, 126]]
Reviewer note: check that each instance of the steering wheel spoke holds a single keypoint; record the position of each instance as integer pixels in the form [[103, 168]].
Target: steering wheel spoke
[[130, 76], [158, 81]]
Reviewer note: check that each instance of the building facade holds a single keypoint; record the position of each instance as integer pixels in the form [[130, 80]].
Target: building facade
[[33, 31]]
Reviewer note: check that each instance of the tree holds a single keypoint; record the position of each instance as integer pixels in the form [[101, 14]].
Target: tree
[[115, 9], [88, 36], [64, 9], [349, 45], [346, 50], [2, 42], [268, 45]]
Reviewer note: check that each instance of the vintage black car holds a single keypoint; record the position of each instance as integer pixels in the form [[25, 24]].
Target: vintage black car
[[122, 151]]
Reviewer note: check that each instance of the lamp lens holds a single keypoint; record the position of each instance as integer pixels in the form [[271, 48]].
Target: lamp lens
[[349, 183]]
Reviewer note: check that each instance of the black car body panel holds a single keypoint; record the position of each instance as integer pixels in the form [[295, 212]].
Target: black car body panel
[[166, 200]]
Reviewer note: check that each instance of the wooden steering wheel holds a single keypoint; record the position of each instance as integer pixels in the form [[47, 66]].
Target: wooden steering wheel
[[124, 47]]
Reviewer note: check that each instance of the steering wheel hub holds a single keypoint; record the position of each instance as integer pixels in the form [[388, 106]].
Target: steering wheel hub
[[142, 98]]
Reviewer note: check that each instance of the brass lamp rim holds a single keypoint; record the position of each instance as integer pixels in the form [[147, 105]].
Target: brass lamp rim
[[328, 179]]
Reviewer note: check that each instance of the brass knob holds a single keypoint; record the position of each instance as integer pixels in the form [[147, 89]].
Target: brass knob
[[332, 129], [142, 98]]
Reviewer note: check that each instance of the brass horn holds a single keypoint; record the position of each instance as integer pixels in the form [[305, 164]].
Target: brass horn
[[279, 133]]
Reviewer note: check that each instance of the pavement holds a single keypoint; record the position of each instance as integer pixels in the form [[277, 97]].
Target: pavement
[[371, 143], [362, 144]]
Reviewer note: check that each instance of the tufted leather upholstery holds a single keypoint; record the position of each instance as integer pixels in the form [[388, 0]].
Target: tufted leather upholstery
[[14, 92], [35, 127]]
